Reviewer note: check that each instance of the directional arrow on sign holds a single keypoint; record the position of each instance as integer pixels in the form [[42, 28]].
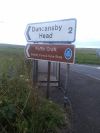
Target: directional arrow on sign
[[27, 51], [27, 33]]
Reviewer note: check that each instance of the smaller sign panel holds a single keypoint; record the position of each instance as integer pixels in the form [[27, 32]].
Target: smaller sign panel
[[59, 53]]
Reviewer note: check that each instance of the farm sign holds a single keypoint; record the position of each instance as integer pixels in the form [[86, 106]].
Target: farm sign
[[59, 53], [51, 32]]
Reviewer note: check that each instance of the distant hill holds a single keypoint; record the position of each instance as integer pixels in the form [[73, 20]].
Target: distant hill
[[11, 49], [3, 45]]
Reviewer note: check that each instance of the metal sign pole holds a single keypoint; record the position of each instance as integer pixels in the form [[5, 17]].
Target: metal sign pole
[[66, 85], [33, 67], [48, 80], [56, 69], [33, 72], [59, 76], [36, 71]]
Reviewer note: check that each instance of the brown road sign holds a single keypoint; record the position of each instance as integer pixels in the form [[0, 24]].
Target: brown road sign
[[60, 53]]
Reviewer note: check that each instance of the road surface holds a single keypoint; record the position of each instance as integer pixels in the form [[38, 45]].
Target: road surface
[[84, 93], [91, 71]]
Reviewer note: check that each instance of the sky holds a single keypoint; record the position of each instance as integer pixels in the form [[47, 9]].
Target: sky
[[16, 14]]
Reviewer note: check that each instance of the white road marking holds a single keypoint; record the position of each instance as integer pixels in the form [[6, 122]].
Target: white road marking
[[98, 67], [88, 66], [93, 77]]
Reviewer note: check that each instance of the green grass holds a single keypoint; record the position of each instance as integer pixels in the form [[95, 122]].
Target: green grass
[[87, 56], [22, 109]]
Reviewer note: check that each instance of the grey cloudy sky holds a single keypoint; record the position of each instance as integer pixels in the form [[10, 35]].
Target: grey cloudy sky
[[16, 14]]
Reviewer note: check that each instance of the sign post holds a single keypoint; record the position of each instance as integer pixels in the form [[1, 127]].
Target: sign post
[[59, 84], [34, 72], [51, 41], [48, 79], [66, 85]]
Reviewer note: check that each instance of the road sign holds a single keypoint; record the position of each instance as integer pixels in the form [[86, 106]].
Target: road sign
[[61, 31], [59, 53], [98, 52]]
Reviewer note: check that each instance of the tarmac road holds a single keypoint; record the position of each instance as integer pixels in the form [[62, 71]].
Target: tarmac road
[[91, 71], [84, 93]]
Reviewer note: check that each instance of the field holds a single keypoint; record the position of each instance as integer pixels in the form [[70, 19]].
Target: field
[[22, 109], [87, 56]]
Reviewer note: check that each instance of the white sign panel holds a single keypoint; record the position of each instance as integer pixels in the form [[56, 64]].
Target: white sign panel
[[54, 31]]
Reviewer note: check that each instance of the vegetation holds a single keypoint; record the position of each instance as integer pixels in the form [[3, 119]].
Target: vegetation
[[22, 110], [87, 56]]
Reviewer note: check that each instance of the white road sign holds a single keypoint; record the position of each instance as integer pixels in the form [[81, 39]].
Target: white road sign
[[53, 31]]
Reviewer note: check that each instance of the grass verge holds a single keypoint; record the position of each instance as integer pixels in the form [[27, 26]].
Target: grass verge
[[22, 110]]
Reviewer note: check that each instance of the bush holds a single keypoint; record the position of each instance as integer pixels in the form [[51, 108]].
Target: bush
[[47, 118], [23, 111]]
